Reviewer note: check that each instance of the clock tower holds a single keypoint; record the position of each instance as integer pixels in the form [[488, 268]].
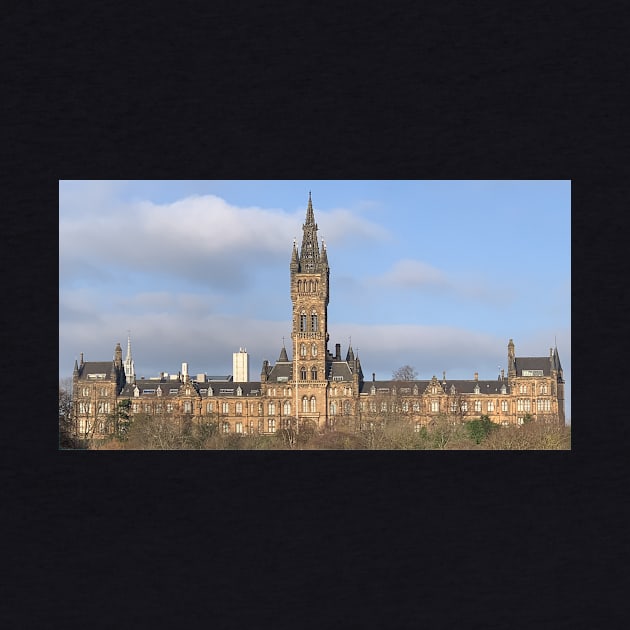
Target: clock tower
[[310, 294]]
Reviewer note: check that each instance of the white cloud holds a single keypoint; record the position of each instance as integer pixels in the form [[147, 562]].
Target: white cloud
[[413, 274]]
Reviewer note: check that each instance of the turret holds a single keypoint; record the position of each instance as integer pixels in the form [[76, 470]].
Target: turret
[[511, 360]]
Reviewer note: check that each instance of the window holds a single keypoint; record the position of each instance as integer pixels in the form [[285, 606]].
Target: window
[[173, 391], [415, 390], [543, 404], [372, 406], [103, 391], [238, 427], [286, 408], [271, 425], [519, 420], [303, 322], [302, 350], [169, 407], [476, 389], [272, 408], [491, 405], [147, 408], [314, 322], [158, 408], [383, 406], [405, 406], [209, 407], [523, 404], [305, 404], [503, 389], [416, 406], [434, 390], [85, 391], [465, 406], [103, 407], [333, 408], [260, 409], [313, 404], [313, 373], [477, 405], [187, 406], [314, 350], [362, 406], [373, 390], [303, 373], [226, 427], [148, 391], [346, 408], [134, 407], [522, 389], [261, 426], [203, 391], [84, 407], [543, 389], [435, 406], [225, 407], [504, 405], [239, 391], [453, 407], [416, 427], [239, 408]]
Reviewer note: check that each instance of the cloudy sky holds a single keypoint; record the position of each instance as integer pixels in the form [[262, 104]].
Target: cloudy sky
[[435, 274]]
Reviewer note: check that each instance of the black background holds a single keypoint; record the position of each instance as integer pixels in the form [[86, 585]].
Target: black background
[[312, 91]]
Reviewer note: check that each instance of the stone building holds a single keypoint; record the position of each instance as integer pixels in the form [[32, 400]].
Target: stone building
[[314, 385]]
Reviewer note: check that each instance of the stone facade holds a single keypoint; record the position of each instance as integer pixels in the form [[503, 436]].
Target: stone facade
[[315, 385]]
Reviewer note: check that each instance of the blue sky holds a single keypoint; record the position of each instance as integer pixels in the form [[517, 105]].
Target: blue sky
[[436, 274]]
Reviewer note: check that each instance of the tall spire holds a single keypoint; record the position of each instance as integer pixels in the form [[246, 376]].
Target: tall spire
[[309, 255], [130, 375]]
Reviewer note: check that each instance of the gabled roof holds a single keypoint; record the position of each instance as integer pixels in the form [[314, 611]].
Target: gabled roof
[[533, 363], [95, 367], [281, 370], [340, 369]]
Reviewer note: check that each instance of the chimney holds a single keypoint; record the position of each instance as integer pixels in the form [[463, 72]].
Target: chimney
[[444, 375], [338, 351], [82, 358], [476, 376]]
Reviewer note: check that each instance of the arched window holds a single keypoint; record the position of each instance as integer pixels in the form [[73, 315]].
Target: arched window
[[303, 373], [333, 408], [313, 374], [303, 322], [305, 404], [272, 408], [316, 285], [346, 408], [314, 321], [310, 286], [314, 349], [286, 408], [302, 350], [313, 404], [299, 286]]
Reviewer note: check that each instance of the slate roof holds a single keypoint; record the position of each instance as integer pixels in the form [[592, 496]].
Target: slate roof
[[249, 389], [533, 363], [283, 370], [95, 367], [461, 387], [340, 368]]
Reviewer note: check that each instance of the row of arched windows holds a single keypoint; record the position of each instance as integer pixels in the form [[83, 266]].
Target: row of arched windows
[[313, 373], [304, 321], [309, 404], [303, 350], [308, 286]]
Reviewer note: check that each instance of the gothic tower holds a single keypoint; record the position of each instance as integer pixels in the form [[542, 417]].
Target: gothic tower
[[130, 373], [309, 295]]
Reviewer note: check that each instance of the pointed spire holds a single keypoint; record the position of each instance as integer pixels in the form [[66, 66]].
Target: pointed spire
[[76, 368], [310, 217], [283, 355], [130, 375], [350, 354], [309, 254]]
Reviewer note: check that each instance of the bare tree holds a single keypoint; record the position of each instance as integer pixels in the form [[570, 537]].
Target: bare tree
[[405, 373]]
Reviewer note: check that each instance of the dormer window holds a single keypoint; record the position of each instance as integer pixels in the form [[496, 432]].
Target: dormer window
[[239, 391], [503, 389], [476, 390], [373, 390]]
